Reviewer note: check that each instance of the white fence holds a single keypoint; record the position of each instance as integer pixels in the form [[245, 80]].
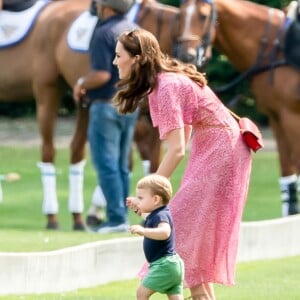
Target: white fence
[[120, 259]]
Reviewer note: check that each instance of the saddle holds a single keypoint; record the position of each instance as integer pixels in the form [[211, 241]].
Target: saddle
[[292, 42], [17, 5]]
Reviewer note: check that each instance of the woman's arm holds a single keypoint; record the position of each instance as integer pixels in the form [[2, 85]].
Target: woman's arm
[[176, 140], [187, 133]]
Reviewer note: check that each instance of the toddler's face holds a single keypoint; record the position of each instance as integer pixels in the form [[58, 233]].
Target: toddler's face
[[147, 202]]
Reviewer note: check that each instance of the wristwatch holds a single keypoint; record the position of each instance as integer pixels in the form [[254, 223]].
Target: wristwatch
[[80, 81]]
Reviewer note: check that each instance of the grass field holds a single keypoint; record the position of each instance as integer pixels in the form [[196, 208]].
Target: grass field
[[22, 227], [21, 212], [22, 222], [261, 280]]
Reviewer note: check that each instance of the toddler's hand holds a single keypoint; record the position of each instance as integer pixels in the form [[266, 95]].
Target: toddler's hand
[[132, 203], [137, 229]]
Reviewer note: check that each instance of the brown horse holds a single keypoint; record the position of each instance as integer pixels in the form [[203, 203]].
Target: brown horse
[[44, 67], [252, 37]]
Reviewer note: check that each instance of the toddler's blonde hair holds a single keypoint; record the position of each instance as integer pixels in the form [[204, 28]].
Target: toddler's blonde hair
[[158, 185]]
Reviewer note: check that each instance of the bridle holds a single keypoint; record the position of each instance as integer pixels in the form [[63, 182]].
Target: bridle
[[201, 49], [145, 11]]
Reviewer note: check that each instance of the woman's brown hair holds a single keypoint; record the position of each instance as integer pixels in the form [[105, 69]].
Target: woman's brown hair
[[143, 76]]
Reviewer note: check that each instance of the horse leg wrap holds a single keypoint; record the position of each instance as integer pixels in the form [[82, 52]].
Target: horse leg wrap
[[146, 166], [96, 214], [76, 187], [98, 199], [288, 187], [50, 203]]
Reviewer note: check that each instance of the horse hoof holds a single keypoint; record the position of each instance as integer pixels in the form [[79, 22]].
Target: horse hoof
[[79, 227], [93, 221], [52, 225]]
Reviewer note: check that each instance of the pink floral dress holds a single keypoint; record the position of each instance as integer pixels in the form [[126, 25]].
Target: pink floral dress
[[207, 209]]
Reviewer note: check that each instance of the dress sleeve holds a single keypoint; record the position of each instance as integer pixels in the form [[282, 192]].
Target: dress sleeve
[[165, 108]]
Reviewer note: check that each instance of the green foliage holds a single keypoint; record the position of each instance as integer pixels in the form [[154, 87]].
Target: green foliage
[[273, 3], [220, 73], [21, 216], [171, 2], [17, 109]]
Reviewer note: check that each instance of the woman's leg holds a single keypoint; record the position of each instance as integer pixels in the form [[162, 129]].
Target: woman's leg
[[203, 291], [210, 290]]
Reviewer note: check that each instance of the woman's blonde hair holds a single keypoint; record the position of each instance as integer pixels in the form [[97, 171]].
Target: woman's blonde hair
[[158, 185], [143, 76]]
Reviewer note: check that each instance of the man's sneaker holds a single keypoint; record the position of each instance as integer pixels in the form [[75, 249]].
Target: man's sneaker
[[116, 228]]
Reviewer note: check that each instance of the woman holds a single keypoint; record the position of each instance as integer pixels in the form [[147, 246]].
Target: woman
[[208, 207]]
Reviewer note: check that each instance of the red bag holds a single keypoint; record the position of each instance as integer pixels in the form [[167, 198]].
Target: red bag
[[250, 132]]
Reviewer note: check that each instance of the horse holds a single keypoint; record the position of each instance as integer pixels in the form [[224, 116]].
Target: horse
[[252, 36], [43, 67]]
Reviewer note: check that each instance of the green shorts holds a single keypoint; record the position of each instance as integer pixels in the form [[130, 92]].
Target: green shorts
[[165, 275]]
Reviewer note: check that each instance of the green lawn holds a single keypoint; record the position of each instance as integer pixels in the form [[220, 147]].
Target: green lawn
[[22, 227], [261, 280], [22, 222]]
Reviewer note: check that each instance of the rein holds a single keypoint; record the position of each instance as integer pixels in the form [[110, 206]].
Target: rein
[[251, 72], [265, 60], [205, 42]]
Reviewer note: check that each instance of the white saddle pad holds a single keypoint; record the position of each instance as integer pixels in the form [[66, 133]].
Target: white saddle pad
[[81, 31], [15, 26]]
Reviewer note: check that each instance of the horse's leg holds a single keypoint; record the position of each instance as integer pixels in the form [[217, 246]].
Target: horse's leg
[[94, 216], [150, 151], [96, 213], [146, 138], [156, 151], [47, 99], [288, 179], [76, 174]]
